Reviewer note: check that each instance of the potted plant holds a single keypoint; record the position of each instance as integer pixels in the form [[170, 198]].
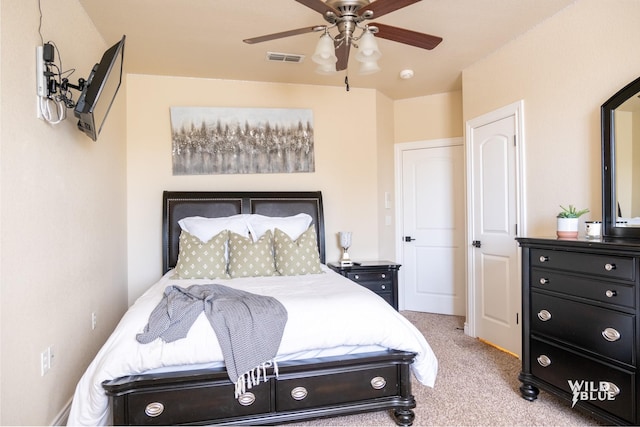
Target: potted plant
[[568, 222]]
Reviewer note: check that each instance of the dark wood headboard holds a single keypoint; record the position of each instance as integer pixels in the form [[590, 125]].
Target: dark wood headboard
[[181, 204]]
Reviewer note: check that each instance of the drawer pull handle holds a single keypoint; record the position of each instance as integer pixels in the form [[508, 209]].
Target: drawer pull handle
[[610, 293], [299, 393], [246, 399], [544, 258], [609, 266], [544, 281], [544, 360], [384, 276], [378, 383], [613, 389], [383, 287], [611, 334], [357, 277], [154, 409], [544, 315]]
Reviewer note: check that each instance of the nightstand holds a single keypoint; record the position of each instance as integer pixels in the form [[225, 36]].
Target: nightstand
[[379, 276]]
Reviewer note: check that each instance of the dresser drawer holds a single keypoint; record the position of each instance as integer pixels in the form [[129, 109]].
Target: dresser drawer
[[374, 280], [611, 266], [312, 391], [580, 286], [557, 367], [606, 332], [198, 403]]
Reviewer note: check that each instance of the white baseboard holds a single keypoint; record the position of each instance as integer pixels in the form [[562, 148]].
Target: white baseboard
[[63, 416]]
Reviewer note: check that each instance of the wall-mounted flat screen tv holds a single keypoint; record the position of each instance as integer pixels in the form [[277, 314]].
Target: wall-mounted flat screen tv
[[100, 91]]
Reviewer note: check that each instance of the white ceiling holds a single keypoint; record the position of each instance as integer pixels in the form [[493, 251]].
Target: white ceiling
[[203, 38]]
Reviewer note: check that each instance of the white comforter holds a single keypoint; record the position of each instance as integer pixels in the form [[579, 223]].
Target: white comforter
[[327, 314]]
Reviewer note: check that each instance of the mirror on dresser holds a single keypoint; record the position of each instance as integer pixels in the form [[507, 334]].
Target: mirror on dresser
[[620, 117]]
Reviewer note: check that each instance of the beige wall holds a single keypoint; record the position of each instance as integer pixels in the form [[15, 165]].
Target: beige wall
[[563, 69], [346, 139], [63, 215], [428, 117]]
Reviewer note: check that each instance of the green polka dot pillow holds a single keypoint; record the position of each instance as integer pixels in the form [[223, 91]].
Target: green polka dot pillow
[[251, 259], [200, 260], [297, 257]]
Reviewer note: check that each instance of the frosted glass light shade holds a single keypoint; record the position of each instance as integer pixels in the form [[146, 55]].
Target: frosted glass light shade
[[369, 67], [326, 69], [368, 48], [325, 53]]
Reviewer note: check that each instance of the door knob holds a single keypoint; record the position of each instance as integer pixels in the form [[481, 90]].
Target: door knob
[[476, 243], [408, 239]]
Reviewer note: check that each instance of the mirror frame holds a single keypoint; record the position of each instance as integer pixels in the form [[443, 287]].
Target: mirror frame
[[609, 200]]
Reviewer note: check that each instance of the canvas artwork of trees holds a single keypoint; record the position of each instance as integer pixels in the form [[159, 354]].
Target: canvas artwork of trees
[[241, 140]]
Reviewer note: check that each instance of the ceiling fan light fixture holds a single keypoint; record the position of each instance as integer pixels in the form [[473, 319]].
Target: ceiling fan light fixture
[[325, 53], [326, 69], [368, 67], [368, 48]]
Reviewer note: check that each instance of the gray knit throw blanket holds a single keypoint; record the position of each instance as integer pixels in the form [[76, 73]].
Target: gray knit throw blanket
[[249, 327]]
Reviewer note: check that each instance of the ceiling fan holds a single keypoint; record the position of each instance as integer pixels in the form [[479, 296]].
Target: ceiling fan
[[347, 16]]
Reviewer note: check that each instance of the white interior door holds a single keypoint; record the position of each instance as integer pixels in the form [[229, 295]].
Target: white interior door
[[495, 267], [433, 207]]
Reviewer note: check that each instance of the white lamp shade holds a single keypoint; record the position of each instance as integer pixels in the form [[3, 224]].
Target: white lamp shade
[[368, 67], [368, 48], [325, 53], [326, 69]]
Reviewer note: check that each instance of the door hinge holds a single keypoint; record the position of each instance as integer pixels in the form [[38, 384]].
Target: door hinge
[[516, 229], [517, 318], [515, 139]]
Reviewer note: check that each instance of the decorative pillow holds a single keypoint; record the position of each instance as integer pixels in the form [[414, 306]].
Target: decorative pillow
[[205, 228], [293, 226], [251, 259], [297, 257], [199, 260]]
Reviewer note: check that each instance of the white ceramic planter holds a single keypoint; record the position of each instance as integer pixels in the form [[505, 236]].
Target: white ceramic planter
[[567, 228]]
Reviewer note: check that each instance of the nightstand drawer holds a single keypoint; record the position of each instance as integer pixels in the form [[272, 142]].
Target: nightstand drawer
[[584, 287], [605, 332], [376, 281], [557, 367], [603, 265]]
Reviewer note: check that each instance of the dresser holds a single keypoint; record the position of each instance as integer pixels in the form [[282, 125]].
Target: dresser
[[379, 276], [580, 330]]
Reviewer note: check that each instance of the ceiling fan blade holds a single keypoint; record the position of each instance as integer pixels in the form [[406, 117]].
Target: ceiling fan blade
[[285, 34], [342, 53], [382, 7], [319, 6], [402, 35]]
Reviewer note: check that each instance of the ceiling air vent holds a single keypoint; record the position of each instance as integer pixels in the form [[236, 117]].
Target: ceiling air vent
[[284, 57]]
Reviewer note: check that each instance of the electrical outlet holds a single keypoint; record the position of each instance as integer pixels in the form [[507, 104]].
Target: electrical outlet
[[45, 361], [94, 320]]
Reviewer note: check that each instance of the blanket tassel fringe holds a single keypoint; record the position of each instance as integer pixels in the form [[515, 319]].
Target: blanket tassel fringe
[[254, 376]]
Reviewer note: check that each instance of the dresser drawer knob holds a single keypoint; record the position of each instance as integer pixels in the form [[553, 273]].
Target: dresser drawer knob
[[544, 315], [246, 399], [357, 277], [609, 266], [611, 334], [154, 409], [613, 389], [544, 258], [384, 276], [378, 383], [299, 393], [610, 293], [544, 281], [544, 360], [383, 286]]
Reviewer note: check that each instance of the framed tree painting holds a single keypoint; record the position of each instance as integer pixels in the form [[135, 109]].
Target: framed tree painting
[[214, 140]]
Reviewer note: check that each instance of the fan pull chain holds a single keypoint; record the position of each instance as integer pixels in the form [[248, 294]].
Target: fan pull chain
[[346, 83]]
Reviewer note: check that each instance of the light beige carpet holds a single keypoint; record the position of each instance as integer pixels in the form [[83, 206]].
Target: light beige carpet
[[477, 385]]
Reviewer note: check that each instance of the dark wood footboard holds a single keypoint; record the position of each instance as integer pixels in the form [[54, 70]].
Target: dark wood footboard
[[304, 389]]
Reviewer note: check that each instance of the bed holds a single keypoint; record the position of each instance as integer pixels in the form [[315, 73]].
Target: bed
[[360, 358]]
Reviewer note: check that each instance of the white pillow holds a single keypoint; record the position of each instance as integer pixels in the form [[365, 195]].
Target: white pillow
[[205, 228], [292, 226]]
